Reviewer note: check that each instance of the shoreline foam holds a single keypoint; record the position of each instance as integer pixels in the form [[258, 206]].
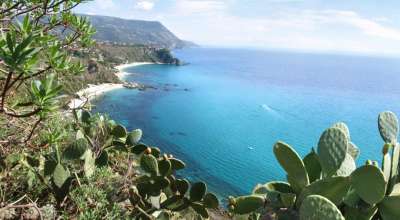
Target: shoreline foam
[[94, 91]]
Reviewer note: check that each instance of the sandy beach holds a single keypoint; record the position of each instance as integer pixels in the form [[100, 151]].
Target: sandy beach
[[94, 91], [121, 74]]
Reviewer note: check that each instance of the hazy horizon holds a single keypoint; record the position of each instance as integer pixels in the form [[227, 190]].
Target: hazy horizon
[[352, 26]]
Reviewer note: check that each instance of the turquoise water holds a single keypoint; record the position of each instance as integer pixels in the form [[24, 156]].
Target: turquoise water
[[223, 112]]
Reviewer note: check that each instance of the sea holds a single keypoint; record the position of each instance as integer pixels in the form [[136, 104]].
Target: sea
[[222, 112]]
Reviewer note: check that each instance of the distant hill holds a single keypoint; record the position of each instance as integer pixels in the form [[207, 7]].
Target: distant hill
[[135, 32]]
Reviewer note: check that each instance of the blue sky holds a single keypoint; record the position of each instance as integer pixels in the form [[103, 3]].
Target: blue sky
[[362, 26]]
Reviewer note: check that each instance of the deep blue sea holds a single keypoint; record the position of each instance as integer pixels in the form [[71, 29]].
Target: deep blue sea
[[223, 112]]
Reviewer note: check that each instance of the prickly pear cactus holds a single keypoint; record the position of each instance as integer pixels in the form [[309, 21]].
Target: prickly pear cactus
[[342, 126], [317, 207], [333, 188], [291, 163], [119, 131], [279, 194], [246, 204], [134, 137], [313, 166], [347, 167], [389, 208], [394, 174], [332, 150], [388, 125], [369, 183], [353, 150]]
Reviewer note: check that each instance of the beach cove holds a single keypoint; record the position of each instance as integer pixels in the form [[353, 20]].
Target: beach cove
[[223, 112]]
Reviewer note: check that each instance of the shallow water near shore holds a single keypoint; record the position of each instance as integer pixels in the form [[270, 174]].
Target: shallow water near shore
[[223, 112]]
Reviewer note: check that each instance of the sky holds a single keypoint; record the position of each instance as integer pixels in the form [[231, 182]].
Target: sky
[[360, 26]]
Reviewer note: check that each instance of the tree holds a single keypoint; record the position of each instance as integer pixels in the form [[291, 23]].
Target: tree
[[34, 43]]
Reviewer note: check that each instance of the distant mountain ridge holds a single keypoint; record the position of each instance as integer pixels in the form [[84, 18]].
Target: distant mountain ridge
[[151, 33]]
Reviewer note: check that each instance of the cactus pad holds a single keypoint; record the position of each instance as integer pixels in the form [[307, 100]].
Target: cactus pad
[[291, 163], [353, 150], [248, 204], [182, 186], [279, 194], [60, 175], [333, 188], [149, 164], [276, 186], [200, 209], [347, 167], [134, 137], [198, 191], [90, 163], [210, 201], [76, 150], [317, 207], [332, 149], [119, 131], [369, 183], [177, 164], [102, 160], [313, 167], [164, 167], [342, 126], [388, 125], [389, 208]]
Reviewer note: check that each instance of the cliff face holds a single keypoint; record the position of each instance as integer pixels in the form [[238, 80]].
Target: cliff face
[[100, 60], [150, 33], [116, 54]]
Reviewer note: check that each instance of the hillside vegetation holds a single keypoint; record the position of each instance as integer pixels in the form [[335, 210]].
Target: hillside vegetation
[[119, 30]]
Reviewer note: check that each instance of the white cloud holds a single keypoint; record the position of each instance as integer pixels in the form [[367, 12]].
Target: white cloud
[[371, 27], [337, 30], [190, 7], [145, 5]]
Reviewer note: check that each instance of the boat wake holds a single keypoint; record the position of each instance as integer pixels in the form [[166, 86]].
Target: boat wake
[[267, 107], [278, 112]]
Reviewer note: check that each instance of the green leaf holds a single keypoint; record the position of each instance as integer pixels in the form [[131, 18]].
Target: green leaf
[[60, 175], [198, 191]]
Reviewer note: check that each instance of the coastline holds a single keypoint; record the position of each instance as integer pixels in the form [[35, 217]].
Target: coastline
[[95, 91], [121, 74]]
